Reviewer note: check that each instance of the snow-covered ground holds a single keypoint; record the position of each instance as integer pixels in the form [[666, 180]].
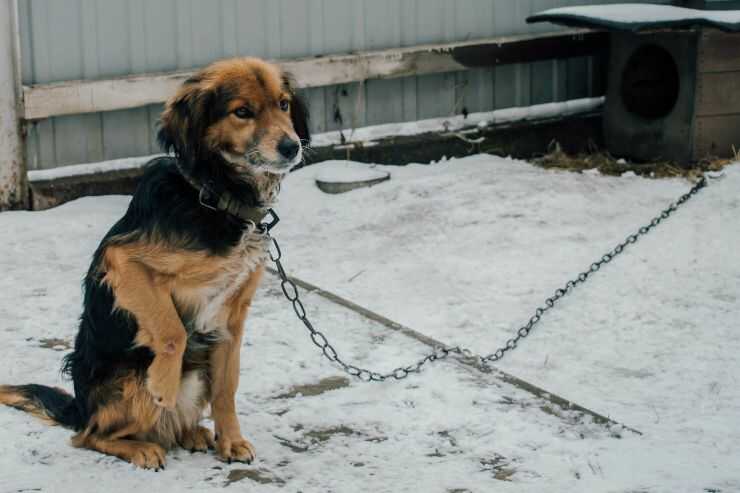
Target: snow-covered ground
[[462, 251]]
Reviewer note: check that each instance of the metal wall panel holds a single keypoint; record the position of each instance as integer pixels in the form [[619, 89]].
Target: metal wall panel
[[92, 39]]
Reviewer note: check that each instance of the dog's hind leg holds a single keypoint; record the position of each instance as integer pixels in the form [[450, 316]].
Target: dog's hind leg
[[125, 424], [147, 455]]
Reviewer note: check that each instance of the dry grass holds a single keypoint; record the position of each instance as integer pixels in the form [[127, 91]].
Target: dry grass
[[609, 165]]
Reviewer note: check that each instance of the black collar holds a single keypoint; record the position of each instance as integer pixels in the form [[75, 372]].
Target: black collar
[[228, 203]]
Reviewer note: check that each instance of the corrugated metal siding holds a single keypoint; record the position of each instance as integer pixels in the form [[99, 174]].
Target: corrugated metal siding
[[91, 39]]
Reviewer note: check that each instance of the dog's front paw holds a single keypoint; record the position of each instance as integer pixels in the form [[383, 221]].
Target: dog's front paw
[[163, 380], [147, 456], [198, 439], [235, 449]]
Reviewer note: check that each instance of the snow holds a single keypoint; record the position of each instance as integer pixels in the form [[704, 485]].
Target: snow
[[643, 13], [124, 164], [347, 172], [463, 251], [459, 122]]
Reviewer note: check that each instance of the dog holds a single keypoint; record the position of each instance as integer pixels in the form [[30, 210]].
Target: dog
[[168, 291]]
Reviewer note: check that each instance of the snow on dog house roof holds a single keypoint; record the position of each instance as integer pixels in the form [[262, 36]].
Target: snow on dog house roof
[[639, 17]]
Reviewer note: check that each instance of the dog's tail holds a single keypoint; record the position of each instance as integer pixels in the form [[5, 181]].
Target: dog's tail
[[53, 405]]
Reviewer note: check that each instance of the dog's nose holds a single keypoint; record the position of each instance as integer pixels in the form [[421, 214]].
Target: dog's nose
[[288, 148]]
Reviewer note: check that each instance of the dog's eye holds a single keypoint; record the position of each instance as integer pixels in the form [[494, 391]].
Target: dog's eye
[[243, 112], [284, 104]]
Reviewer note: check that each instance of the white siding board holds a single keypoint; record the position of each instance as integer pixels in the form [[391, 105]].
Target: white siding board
[[382, 29]]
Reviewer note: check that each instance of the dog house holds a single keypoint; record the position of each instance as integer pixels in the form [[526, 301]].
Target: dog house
[[673, 79]]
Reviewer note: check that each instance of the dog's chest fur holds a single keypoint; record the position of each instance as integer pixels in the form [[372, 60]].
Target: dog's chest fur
[[209, 302], [214, 296]]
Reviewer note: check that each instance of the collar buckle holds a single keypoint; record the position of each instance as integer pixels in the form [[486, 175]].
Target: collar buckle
[[204, 196]]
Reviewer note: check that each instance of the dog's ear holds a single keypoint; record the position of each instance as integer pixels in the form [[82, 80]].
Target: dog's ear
[[298, 111], [299, 116], [185, 118]]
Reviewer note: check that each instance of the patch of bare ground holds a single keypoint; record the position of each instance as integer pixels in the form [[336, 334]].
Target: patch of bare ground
[[607, 164]]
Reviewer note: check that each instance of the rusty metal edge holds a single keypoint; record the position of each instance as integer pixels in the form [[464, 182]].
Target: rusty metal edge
[[470, 364]]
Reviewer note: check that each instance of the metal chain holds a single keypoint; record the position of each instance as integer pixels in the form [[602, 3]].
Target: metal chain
[[290, 290]]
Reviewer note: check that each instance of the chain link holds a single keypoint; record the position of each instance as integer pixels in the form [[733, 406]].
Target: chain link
[[290, 290]]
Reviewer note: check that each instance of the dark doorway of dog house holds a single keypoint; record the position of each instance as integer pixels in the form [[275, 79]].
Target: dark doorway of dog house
[[650, 82]]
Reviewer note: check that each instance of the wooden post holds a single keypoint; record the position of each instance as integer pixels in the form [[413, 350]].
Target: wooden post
[[13, 182]]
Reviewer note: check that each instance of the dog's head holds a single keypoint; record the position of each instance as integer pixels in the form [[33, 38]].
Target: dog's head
[[243, 110]]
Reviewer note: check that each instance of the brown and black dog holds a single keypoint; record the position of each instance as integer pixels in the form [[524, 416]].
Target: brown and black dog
[[168, 291]]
